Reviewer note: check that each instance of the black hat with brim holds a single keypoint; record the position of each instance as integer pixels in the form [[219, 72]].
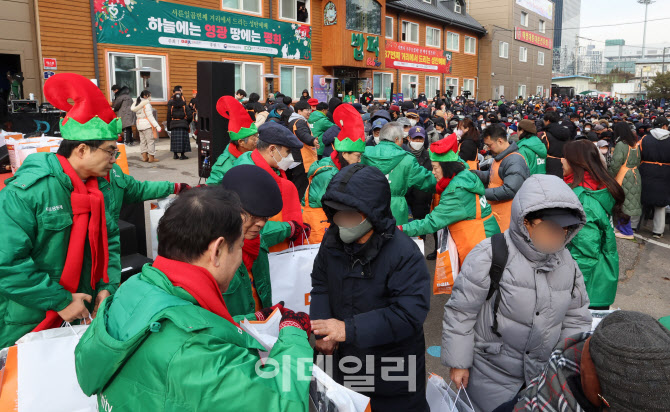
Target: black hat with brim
[[274, 133], [258, 191], [561, 216]]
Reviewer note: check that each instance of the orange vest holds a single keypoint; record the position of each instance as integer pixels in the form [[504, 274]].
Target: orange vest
[[314, 216], [308, 152], [472, 164], [468, 233], [502, 210]]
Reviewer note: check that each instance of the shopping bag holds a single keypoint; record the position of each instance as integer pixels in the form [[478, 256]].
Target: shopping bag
[[446, 263], [291, 276], [441, 398], [155, 214], [39, 374], [327, 395]]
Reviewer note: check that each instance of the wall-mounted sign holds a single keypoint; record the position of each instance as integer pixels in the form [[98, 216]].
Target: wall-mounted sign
[[329, 14], [427, 59], [163, 24], [532, 38], [358, 41], [50, 64], [48, 74], [544, 8]]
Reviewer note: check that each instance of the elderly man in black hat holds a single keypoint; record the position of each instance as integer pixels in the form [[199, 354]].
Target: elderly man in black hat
[[273, 154]]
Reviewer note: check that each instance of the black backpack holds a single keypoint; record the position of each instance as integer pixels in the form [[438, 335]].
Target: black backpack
[[499, 254]]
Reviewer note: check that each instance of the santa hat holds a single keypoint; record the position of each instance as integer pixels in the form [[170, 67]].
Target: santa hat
[[90, 117], [352, 132], [445, 150], [240, 125]]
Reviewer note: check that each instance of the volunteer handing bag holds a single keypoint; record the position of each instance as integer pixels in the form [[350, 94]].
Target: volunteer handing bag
[[38, 374], [291, 276], [441, 398], [446, 264]]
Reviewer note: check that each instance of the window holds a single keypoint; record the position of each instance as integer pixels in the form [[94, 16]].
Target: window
[[250, 6], [428, 1], [451, 81], [120, 65], [432, 86], [452, 41], [470, 45], [524, 19], [469, 84], [294, 10], [522, 90], [503, 50], [365, 16], [248, 77], [542, 27], [540, 91], [540, 58], [433, 37], [408, 92], [293, 80], [389, 27], [410, 32], [457, 7], [381, 85], [523, 54]]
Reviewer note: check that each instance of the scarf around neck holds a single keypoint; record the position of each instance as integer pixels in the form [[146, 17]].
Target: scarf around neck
[[442, 185], [588, 182]]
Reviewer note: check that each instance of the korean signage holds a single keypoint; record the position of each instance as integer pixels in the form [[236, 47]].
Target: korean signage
[[49, 64], [406, 56], [358, 41], [162, 24], [544, 8], [532, 38]]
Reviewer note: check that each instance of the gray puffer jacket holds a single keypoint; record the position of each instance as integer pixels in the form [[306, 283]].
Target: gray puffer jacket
[[543, 301], [513, 171], [121, 105]]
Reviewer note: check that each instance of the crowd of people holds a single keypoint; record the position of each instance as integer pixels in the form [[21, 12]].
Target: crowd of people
[[533, 193]]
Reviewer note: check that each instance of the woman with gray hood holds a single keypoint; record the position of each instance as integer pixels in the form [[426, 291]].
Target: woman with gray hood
[[541, 297]]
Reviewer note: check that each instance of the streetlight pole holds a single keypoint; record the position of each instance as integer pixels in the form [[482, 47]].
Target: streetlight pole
[[644, 35]]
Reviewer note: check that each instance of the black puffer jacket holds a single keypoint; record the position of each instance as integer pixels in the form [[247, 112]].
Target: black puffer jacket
[[179, 115], [656, 177], [381, 290], [556, 136]]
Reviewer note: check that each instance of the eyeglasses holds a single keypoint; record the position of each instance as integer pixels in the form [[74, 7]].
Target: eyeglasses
[[114, 154]]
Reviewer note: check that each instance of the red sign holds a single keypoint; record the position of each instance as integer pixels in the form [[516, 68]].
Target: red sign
[[532, 38], [50, 64], [425, 59]]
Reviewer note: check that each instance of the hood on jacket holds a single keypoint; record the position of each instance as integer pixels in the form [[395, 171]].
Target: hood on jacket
[[315, 116], [380, 114], [660, 134], [366, 189], [39, 165], [541, 192], [559, 131], [385, 156], [123, 90], [296, 116], [321, 167], [535, 144]]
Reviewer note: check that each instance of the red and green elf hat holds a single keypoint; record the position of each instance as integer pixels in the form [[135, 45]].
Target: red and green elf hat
[[90, 117], [445, 150], [352, 132], [240, 125]]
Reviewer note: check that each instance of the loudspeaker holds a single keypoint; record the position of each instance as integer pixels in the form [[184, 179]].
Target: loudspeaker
[[215, 79]]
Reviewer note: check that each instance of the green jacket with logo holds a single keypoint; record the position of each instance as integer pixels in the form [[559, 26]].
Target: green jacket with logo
[[457, 203], [36, 219], [128, 190], [321, 123], [223, 164], [402, 171], [535, 152], [594, 248], [152, 348], [321, 173]]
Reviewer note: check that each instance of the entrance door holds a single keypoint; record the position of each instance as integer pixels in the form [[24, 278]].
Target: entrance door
[[10, 65]]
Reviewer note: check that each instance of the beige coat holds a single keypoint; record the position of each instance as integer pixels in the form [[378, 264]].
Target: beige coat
[[145, 117]]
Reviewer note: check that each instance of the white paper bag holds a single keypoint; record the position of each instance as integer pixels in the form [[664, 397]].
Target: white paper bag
[[441, 398], [328, 395], [291, 276], [155, 215]]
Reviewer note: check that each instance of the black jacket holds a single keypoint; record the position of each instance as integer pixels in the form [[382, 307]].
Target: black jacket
[[381, 290], [418, 200], [655, 178], [556, 137], [179, 115]]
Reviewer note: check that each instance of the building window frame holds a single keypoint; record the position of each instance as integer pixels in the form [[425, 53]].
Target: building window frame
[[406, 79], [429, 91], [473, 41], [540, 91], [437, 35], [297, 91], [308, 6], [471, 82], [243, 75], [523, 54], [451, 81], [386, 20], [139, 86], [542, 26], [458, 9], [409, 24], [524, 19], [382, 76], [240, 8], [540, 58], [503, 46], [458, 39], [521, 91]]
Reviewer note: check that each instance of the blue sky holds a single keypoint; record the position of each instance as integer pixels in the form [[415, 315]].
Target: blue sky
[[603, 12]]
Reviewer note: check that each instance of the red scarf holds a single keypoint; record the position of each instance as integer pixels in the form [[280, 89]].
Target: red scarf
[[588, 182], [260, 161], [88, 209], [333, 157], [292, 210], [198, 282], [234, 151], [442, 185], [250, 251]]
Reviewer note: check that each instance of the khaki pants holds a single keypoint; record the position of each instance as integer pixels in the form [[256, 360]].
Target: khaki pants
[[147, 142]]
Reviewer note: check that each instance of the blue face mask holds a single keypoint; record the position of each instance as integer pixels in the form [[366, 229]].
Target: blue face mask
[[352, 234]]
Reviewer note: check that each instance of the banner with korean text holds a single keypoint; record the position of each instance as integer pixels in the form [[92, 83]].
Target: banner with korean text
[[163, 24], [426, 59], [532, 38]]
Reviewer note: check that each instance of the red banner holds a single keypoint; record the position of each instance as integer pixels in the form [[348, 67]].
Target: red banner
[[409, 57], [532, 38]]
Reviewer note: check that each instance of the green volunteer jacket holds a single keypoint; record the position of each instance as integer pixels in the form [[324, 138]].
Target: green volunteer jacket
[[402, 171], [36, 218], [320, 180], [594, 248], [457, 203], [223, 164], [535, 152], [128, 190], [321, 124], [152, 348]]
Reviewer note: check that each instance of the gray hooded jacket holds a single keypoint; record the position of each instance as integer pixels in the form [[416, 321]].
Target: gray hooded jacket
[[513, 171], [543, 301]]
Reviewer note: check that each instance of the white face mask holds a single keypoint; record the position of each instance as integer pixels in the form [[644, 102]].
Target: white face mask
[[604, 150], [285, 162], [416, 145], [576, 123], [412, 122], [376, 139], [488, 124], [405, 134], [588, 129]]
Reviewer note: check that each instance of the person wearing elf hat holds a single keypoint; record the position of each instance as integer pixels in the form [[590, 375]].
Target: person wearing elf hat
[[273, 154], [243, 136], [400, 167], [61, 247], [349, 146], [462, 207]]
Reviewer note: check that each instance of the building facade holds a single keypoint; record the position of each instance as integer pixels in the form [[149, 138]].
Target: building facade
[[325, 47], [566, 36], [517, 50]]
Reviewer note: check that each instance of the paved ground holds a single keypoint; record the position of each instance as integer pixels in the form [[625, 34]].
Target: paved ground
[[644, 280]]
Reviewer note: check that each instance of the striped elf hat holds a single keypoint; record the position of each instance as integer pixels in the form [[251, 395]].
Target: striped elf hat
[[445, 150], [240, 125], [352, 132]]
